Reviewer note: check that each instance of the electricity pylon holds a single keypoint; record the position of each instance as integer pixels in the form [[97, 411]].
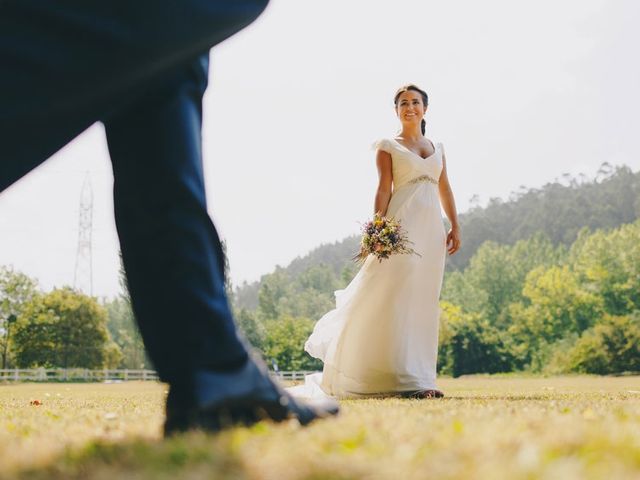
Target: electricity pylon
[[83, 275]]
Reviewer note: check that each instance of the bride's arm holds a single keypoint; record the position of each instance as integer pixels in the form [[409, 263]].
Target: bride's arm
[[385, 182], [449, 206]]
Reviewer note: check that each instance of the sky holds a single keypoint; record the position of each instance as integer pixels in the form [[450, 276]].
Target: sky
[[520, 94]]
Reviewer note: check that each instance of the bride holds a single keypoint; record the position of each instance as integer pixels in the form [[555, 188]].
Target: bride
[[382, 337]]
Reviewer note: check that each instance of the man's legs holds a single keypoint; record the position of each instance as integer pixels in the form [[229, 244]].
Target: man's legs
[[68, 63], [174, 264], [171, 250]]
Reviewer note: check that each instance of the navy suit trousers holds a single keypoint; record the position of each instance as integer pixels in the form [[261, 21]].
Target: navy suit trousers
[[140, 67]]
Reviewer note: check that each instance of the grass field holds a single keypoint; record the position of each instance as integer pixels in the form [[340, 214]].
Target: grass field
[[486, 427]]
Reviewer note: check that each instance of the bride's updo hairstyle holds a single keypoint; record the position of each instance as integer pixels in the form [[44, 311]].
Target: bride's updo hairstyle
[[423, 94]]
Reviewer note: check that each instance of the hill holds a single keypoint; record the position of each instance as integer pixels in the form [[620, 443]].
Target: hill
[[559, 210]]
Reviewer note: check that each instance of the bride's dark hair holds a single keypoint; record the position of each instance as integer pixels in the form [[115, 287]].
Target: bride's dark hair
[[423, 94]]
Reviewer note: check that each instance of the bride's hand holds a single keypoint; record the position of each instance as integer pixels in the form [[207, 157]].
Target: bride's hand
[[453, 240]]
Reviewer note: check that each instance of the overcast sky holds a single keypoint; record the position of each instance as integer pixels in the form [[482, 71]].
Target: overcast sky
[[520, 93]]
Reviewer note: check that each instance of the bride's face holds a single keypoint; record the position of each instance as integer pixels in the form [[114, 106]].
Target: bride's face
[[410, 108]]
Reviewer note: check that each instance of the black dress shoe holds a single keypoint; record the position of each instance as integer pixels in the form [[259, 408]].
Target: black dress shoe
[[241, 397]]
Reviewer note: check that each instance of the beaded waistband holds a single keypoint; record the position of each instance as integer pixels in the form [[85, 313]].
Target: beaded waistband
[[424, 178]]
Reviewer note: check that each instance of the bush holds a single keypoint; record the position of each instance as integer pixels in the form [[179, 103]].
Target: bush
[[469, 344], [611, 346]]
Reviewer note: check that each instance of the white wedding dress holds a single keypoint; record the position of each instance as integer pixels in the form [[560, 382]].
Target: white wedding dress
[[382, 337]]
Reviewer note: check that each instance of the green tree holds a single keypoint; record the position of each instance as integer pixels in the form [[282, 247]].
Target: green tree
[[228, 285], [611, 346], [348, 272], [309, 294], [496, 275], [469, 344], [124, 332], [461, 290], [16, 289], [64, 328], [123, 328], [307, 303], [284, 344], [272, 288], [555, 305], [608, 262], [251, 327], [491, 271]]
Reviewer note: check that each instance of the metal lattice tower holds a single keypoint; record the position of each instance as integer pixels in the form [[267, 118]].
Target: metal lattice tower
[[83, 276]]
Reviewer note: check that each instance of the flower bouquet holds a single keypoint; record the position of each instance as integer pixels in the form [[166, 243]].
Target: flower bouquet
[[383, 237]]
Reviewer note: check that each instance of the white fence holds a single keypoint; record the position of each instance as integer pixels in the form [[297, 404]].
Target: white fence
[[87, 375], [292, 376], [74, 374]]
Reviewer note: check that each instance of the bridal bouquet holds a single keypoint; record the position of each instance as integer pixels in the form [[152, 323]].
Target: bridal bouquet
[[382, 237]]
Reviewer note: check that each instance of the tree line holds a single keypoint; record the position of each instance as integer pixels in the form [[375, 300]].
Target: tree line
[[517, 297], [532, 306], [538, 307], [547, 282]]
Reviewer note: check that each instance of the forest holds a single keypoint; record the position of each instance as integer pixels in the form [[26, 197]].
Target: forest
[[547, 281]]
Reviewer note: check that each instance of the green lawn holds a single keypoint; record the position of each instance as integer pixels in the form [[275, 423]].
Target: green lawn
[[487, 427]]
